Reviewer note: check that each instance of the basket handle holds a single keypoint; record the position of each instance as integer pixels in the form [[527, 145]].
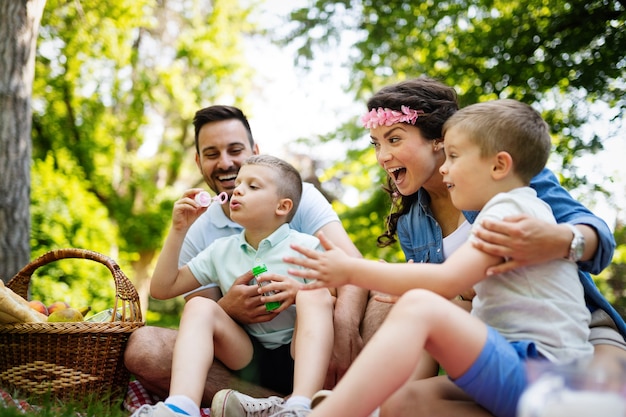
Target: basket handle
[[125, 292]]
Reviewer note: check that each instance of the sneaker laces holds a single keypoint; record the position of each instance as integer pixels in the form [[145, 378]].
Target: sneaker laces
[[291, 412], [146, 410], [259, 407]]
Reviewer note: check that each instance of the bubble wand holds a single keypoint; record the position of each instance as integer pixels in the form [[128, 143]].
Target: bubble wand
[[204, 199]]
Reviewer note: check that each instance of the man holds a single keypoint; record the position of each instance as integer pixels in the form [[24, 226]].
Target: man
[[223, 141]]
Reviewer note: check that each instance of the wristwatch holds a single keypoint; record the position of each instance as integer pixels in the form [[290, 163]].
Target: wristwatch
[[577, 246]]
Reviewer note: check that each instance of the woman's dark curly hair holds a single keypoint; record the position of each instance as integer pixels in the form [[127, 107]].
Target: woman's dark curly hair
[[438, 102]]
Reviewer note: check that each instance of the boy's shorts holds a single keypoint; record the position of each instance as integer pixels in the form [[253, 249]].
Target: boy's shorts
[[497, 378], [269, 368]]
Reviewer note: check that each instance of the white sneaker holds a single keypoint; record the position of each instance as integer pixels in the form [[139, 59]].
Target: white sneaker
[[230, 403], [157, 410], [292, 412]]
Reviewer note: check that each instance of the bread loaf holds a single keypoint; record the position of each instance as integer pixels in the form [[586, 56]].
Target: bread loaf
[[15, 309]]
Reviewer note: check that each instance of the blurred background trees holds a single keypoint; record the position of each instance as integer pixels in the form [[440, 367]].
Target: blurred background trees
[[567, 58], [116, 86]]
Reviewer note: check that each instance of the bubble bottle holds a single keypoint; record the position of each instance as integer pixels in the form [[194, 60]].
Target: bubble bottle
[[257, 271]]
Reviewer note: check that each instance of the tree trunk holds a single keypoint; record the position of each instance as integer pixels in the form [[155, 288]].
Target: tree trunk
[[19, 26]]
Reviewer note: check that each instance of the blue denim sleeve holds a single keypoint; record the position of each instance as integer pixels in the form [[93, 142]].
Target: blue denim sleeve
[[567, 210]]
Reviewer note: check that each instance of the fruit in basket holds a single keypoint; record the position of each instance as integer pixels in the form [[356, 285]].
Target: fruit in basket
[[57, 305], [65, 315], [38, 306], [84, 310]]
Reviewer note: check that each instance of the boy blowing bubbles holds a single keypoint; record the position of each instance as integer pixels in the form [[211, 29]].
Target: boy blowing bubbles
[[266, 195], [492, 150]]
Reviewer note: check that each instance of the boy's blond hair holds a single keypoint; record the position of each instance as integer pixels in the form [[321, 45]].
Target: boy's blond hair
[[510, 126], [287, 179]]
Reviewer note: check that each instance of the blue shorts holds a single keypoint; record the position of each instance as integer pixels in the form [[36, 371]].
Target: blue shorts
[[497, 378]]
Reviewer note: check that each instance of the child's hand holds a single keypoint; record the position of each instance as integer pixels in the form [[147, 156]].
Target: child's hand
[[187, 210], [285, 288], [328, 269]]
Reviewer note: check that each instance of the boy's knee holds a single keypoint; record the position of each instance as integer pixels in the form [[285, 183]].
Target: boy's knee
[[201, 306], [419, 298], [320, 297]]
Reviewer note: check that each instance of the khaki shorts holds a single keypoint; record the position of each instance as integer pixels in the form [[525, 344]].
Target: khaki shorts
[[604, 331]]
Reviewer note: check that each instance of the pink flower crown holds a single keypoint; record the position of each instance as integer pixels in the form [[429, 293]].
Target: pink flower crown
[[387, 117]]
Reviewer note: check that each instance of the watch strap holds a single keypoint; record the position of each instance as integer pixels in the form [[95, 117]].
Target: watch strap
[[577, 245]]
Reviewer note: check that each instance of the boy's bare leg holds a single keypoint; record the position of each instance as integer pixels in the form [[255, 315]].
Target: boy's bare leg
[[419, 319], [206, 331], [375, 314], [312, 340], [149, 356], [439, 397]]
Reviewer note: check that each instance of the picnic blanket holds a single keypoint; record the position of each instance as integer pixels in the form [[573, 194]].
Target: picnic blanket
[[6, 401], [136, 396]]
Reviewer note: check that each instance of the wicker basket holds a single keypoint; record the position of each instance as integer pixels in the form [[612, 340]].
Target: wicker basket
[[70, 360]]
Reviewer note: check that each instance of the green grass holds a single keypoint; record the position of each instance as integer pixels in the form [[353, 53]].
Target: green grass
[[48, 407]]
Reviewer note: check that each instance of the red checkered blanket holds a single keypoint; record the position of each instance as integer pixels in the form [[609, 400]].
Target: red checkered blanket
[[136, 396], [7, 401]]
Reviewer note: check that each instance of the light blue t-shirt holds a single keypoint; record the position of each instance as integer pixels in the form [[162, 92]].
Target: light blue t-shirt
[[230, 257]]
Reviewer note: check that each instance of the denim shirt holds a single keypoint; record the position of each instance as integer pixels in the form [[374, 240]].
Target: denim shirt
[[421, 239]]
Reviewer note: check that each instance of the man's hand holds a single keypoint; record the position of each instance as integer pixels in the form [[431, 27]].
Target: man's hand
[[243, 302], [520, 240]]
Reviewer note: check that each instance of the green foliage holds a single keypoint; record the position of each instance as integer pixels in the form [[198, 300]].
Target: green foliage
[[559, 55], [553, 53], [612, 281], [165, 313], [116, 87], [66, 215]]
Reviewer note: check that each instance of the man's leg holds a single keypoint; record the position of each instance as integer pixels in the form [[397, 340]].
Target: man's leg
[[432, 397]]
